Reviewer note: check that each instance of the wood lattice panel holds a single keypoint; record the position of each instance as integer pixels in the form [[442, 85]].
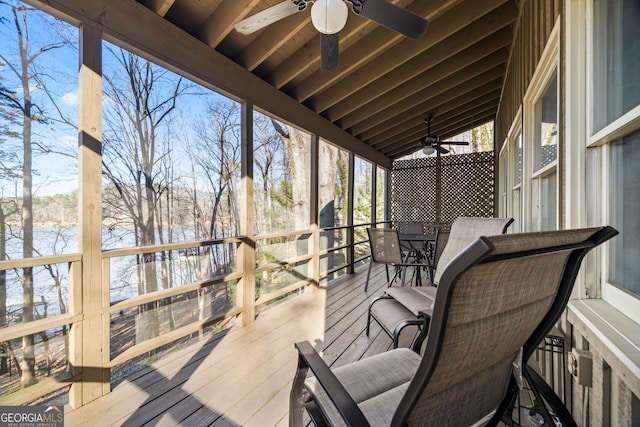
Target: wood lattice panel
[[467, 188]]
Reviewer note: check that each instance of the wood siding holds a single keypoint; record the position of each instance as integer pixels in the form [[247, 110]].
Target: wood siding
[[533, 27]]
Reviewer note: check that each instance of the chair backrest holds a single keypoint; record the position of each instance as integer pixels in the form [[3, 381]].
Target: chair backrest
[[442, 237], [464, 231], [410, 227], [385, 245], [501, 294]]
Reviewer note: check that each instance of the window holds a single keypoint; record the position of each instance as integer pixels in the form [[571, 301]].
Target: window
[[516, 189], [333, 186], [38, 193], [546, 126], [381, 183], [282, 159], [362, 191], [616, 60], [511, 177], [615, 109], [624, 205], [544, 185]]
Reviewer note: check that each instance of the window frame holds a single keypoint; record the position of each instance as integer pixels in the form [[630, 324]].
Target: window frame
[[508, 164], [548, 66], [601, 140]]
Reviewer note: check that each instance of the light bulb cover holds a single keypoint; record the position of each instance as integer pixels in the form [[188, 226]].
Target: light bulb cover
[[329, 16], [428, 150]]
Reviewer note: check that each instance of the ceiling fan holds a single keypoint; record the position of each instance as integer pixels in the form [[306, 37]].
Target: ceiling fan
[[330, 16], [431, 143]]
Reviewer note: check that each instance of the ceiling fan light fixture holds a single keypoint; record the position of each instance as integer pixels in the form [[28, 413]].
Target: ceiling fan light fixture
[[329, 16], [428, 150]]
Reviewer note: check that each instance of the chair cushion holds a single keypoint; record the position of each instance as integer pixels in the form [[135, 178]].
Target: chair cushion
[[464, 231], [414, 298], [377, 384], [390, 313]]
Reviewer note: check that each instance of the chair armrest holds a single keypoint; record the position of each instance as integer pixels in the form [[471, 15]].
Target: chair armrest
[[425, 315], [309, 358]]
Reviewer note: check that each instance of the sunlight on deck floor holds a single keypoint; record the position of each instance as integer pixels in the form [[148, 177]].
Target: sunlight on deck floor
[[243, 377]]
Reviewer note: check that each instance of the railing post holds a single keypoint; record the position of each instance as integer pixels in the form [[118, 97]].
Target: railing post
[[351, 252], [88, 337], [314, 241], [246, 288]]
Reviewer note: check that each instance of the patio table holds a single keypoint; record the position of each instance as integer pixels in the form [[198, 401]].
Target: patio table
[[422, 245]]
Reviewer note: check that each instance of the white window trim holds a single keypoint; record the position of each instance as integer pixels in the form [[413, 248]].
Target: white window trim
[[629, 122], [549, 63]]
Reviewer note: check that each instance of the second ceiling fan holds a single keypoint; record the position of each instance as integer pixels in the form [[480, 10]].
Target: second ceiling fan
[[330, 16], [431, 143]]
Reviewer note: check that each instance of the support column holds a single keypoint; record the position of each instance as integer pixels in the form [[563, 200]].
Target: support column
[[374, 194], [246, 289], [350, 205], [89, 338], [314, 214]]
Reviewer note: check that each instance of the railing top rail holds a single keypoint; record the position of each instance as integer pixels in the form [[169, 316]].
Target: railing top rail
[[112, 253], [38, 261]]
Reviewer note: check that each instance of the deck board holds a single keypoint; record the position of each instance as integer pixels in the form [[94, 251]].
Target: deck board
[[243, 377]]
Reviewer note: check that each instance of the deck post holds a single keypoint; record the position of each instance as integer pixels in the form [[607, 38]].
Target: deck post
[[89, 338], [246, 288], [351, 253], [314, 241]]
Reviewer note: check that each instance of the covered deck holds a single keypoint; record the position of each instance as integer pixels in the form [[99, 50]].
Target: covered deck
[[243, 376]]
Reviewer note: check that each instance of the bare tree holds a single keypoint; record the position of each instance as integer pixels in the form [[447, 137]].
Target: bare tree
[[143, 98], [217, 145], [266, 149], [26, 70]]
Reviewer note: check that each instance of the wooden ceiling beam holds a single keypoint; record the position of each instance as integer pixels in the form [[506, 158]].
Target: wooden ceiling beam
[[161, 7], [270, 41], [491, 51], [475, 87], [353, 59], [484, 106], [398, 153], [447, 126], [417, 125], [220, 23], [309, 54], [410, 58], [175, 49]]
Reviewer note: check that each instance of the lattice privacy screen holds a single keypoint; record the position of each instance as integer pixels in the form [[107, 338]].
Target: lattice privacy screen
[[467, 189]]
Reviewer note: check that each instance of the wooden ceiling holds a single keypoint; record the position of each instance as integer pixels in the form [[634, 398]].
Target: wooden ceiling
[[385, 83]]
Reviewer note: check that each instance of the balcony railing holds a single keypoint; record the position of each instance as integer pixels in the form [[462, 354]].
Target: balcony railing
[[154, 297]]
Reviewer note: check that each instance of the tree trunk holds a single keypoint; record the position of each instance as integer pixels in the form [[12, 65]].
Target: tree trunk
[[28, 357], [4, 365]]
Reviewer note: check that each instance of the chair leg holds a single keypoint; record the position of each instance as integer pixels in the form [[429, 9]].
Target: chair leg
[[366, 284], [545, 394], [296, 398]]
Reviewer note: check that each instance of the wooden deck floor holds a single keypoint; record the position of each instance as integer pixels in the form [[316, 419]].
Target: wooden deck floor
[[243, 377]]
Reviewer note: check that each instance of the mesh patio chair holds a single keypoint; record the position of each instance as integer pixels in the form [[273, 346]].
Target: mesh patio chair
[[400, 308], [496, 301], [386, 249], [409, 227]]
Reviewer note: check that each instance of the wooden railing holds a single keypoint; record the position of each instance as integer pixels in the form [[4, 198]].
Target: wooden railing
[[307, 255]]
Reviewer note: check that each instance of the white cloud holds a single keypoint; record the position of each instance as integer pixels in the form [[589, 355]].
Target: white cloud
[[70, 99], [69, 141]]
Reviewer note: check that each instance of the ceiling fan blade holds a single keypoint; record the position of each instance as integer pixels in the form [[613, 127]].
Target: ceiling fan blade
[[394, 17], [440, 149], [268, 16], [329, 51], [454, 142]]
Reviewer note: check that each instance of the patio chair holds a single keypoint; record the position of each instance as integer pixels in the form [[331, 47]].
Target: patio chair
[[495, 302], [386, 249], [409, 227], [399, 308]]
